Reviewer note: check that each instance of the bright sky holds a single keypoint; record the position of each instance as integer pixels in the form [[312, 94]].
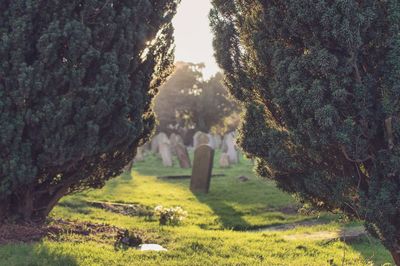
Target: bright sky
[[193, 37]]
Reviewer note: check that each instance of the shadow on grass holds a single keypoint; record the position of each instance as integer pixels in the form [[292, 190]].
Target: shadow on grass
[[230, 218], [372, 250], [33, 255]]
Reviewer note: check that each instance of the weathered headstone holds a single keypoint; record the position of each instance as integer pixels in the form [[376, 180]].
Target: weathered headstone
[[217, 141], [175, 139], [229, 147], [183, 156], [166, 155], [163, 138], [224, 160], [202, 169], [195, 136], [139, 155], [154, 144], [211, 141], [204, 139]]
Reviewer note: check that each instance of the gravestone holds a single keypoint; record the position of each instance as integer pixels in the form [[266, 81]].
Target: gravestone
[[224, 160], [202, 169], [217, 141], [154, 144], [183, 156], [139, 155], [166, 155], [229, 147], [163, 138], [204, 139], [195, 139], [175, 140], [211, 141]]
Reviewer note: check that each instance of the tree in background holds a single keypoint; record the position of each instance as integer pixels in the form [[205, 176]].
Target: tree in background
[[320, 82], [76, 83], [187, 103]]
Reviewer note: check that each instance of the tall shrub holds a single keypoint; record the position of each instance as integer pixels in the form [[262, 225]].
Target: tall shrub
[[320, 81], [76, 83]]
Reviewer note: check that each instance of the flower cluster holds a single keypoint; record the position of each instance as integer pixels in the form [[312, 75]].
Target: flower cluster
[[170, 216]]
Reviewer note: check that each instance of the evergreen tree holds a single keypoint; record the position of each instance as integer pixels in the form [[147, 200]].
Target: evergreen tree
[[76, 83], [320, 82]]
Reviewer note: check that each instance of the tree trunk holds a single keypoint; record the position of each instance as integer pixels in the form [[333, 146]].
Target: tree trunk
[[28, 207], [396, 256]]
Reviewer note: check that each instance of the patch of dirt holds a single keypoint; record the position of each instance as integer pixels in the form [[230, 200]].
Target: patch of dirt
[[124, 209], [91, 231], [347, 235], [185, 176], [59, 230], [10, 233], [288, 210], [243, 178], [284, 227]]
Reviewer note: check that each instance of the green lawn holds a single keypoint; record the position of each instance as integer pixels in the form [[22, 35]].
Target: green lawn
[[216, 232]]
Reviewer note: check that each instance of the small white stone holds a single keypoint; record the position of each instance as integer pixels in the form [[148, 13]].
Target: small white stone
[[151, 247]]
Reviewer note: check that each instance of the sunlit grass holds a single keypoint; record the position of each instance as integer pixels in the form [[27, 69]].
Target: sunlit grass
[[213, 234]]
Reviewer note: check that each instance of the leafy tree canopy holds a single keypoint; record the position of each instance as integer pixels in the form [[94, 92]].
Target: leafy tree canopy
[[187, 103]]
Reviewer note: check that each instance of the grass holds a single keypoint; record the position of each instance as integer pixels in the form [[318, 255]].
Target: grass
[[216, 231]]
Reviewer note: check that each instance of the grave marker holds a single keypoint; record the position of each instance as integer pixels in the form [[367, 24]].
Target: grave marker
[[202, 169]]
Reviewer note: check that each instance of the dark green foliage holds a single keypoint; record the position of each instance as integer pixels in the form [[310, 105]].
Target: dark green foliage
[[76, 83], [127, 239], [320, 81]]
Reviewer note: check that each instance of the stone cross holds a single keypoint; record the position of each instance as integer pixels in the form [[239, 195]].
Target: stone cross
[[202, 169]]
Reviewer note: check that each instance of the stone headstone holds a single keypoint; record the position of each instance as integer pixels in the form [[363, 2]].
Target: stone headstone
[[166, 155], [224, 160], [139, 155], [157, 140], [202, 169], [195, 138], [229, 147], [204, 139], [211, 141], [217, 141], [154, 144], [183, 156], [175, 139], [163, 138]]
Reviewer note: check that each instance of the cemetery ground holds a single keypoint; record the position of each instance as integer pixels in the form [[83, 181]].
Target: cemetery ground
[[238, 223]]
